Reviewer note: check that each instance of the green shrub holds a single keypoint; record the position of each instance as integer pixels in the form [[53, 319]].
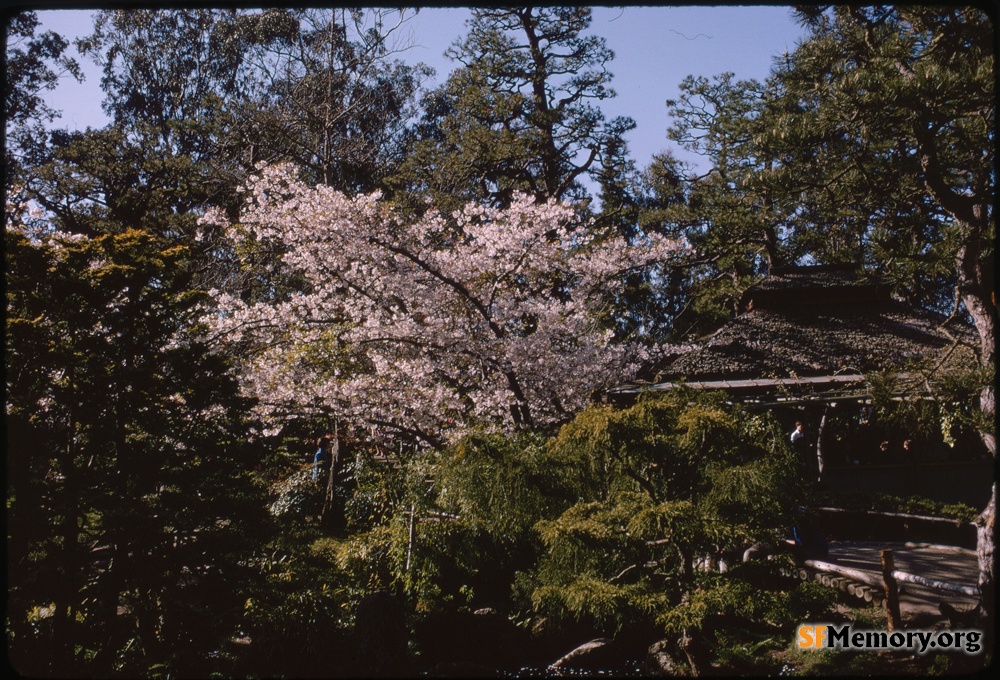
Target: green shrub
[[668, 484]]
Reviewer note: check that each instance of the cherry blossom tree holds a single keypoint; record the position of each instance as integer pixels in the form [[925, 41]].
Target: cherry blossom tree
[[497, 318]]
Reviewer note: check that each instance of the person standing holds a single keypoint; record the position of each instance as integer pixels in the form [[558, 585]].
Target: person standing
[[322, 458], [800, 447], [798, 434]]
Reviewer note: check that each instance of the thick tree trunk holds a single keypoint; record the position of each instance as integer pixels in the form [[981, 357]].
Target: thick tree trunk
[[985, 548], [982, 309]]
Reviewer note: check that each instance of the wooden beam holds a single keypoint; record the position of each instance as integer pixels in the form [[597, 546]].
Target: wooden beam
[[855, 574], [937, 585]]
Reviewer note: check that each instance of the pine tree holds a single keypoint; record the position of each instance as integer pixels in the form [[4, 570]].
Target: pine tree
[[517, 115]]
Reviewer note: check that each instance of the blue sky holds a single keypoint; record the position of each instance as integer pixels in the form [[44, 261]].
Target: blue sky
[[655, 48]]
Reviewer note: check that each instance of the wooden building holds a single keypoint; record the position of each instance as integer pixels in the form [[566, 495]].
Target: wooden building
[[809, 346]]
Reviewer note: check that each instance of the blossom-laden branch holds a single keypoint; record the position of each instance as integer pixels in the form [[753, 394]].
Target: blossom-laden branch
[[492, 318]]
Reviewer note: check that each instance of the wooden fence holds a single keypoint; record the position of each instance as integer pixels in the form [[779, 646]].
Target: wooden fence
[[883, 589]]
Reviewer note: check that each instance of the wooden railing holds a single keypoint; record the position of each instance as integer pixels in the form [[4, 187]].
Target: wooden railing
[[884, 589]]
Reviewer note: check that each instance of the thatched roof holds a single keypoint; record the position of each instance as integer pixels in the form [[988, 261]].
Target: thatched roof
[[821, 323]]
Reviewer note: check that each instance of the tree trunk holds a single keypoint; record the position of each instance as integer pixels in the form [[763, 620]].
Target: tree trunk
[[983, 312], [326, 514], [985, 545]]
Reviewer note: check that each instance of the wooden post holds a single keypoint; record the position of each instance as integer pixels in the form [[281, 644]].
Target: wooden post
[[819, 443], [891, 590]]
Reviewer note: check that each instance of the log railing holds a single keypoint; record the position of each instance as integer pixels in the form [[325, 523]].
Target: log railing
[[881, 589]]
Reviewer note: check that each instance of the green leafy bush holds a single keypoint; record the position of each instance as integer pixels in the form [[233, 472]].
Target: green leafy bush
[[668, 488]]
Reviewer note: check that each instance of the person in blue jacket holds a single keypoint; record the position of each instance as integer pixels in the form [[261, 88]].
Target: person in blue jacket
[[322, 458]]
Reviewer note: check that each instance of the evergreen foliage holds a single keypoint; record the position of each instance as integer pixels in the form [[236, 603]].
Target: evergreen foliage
[[129, 493], [464, 313], [517, 115], [663, 485]]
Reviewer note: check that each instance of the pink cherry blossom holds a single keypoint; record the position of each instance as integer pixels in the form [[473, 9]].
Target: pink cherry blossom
[[430, 326]]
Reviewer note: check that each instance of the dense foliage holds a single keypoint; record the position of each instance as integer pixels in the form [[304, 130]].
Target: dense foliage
[[662, 485], [282, 235], [423, 327], [519, 114], [128, 495]]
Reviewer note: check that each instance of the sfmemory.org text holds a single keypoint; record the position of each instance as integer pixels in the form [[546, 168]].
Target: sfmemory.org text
[[829, 636]]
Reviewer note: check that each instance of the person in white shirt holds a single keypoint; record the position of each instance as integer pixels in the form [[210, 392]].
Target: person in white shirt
[[801, 449], [798, 433]]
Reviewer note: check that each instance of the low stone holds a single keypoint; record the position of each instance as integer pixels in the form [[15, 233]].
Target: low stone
[[661, 661]]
